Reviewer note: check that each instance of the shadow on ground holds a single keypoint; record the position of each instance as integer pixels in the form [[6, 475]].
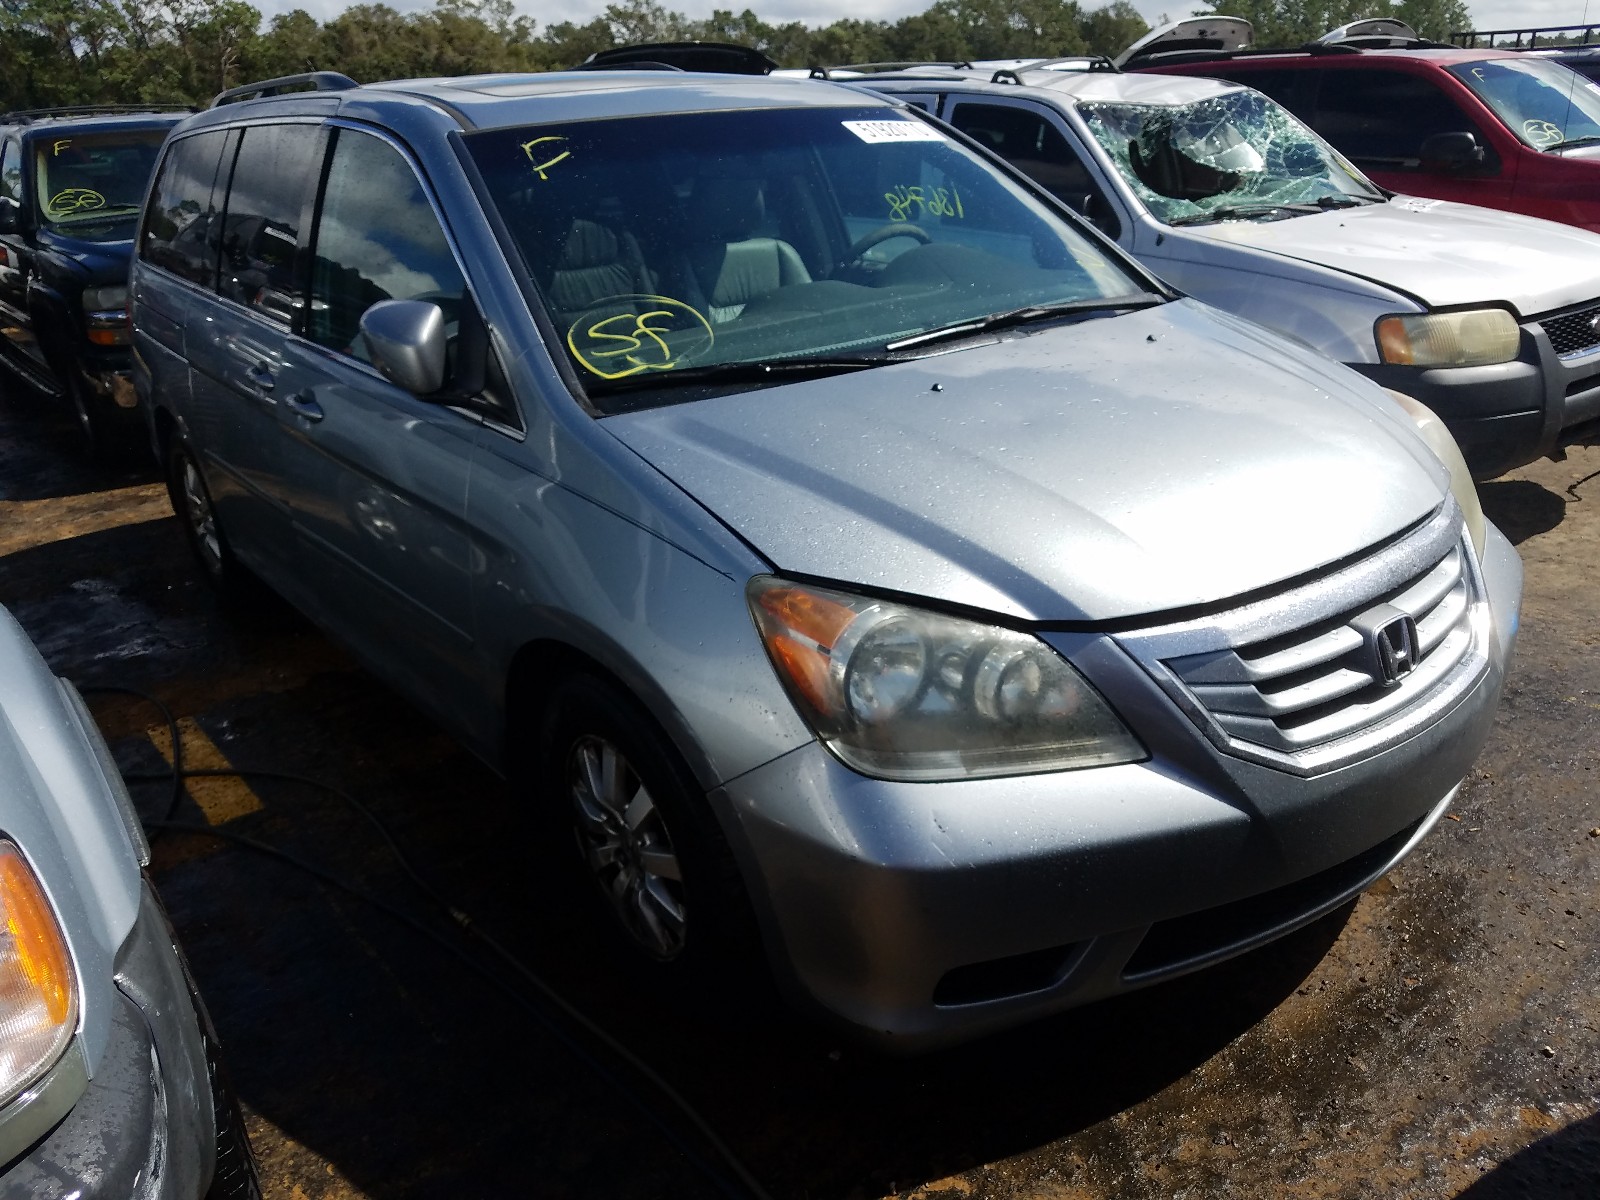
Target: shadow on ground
[[1563, 1164], [1521, 508]]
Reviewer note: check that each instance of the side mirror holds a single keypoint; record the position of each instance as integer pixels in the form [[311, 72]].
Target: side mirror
[[406, 340], [1457, 151], [8, 216]]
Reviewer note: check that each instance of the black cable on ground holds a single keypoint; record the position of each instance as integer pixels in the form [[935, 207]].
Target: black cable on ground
[[748, 1188]]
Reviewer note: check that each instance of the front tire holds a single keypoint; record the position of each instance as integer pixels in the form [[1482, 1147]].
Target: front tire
[[654, 856]]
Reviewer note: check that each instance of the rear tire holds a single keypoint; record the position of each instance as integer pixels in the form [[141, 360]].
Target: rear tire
[[191, 501]]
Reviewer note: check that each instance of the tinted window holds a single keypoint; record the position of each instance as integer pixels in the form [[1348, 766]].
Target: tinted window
[[1286, 87], [276, 167], [1381, 118], [377, 239], [10, 172], [1029, 142], [180, 228]]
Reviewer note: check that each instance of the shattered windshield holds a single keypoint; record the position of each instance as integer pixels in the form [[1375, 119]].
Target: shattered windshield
[[673, 249], [95, 182], [1234, 155], [1547, 105]]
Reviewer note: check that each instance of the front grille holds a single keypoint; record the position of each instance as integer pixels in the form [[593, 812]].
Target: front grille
[[1337, 667], [1325, 682], [1573, 332]]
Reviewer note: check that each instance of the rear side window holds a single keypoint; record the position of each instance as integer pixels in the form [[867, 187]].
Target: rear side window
[[1029, 142], [377, 239], [277, 165], [1288, 88], [1381, 118], [180, 230], [10, 172]]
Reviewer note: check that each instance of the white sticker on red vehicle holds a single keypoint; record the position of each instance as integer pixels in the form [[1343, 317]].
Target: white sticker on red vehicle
[[894, 131]]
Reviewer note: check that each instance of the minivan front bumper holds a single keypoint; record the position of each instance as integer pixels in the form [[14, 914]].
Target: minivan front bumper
[[926, 913]]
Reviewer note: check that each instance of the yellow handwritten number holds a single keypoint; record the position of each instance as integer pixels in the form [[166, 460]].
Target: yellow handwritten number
[[908, 202], [540, 168]]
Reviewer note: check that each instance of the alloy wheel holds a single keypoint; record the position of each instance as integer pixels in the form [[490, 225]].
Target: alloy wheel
[[623, 837]]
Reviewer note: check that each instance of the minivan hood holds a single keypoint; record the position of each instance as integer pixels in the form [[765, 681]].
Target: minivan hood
[[1438, 251], [1116, 467]]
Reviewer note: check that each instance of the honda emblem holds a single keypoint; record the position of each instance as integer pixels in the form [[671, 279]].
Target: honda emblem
[[1396, 651]]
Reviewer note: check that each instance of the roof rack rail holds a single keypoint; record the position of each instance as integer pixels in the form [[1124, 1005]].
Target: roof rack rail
[[25, 116], [909, 64], [643, 65], [1563, 37], [319, 81], [1091, 63]]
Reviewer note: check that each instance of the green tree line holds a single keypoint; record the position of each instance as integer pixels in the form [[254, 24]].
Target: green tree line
[[59, 52]]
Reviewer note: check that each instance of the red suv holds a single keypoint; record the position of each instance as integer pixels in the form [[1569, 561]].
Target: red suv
[[1493, 127]]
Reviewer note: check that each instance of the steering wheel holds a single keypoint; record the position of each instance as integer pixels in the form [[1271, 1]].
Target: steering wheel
[[881, 234]]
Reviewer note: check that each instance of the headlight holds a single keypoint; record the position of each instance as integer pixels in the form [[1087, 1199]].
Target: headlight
[[901, 693], [1443, 443], [105, 298], [1459, 339], [38, 993], [105, 315]]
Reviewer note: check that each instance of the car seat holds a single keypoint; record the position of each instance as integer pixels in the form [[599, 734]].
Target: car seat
[[728, 265], [595, 261]]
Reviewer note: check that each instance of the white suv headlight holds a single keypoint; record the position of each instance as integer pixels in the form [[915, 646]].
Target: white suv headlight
[[1478, 337], [902, 693], [38, 990]]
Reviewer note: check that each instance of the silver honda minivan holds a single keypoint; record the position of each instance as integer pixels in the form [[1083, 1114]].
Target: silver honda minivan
[[922, 593]]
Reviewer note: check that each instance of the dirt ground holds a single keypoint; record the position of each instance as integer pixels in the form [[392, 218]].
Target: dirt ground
[[1436, 1039]]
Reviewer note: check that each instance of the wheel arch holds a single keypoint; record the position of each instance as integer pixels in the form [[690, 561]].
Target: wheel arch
[[542, 663]]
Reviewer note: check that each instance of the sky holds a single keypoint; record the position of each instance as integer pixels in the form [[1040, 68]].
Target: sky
[[1487, 14]]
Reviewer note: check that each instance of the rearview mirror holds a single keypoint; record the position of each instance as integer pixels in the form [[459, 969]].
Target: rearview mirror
[[1455, 151], [406, 339]]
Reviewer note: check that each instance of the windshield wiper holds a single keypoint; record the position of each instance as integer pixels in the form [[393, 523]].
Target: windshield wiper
[[1243, 212], [1346, 200], [1026, 315], [1588, 139], [756, 371]]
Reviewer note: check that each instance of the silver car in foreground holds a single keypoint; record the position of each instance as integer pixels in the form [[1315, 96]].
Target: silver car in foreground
[[994, 628], [109, 1083]]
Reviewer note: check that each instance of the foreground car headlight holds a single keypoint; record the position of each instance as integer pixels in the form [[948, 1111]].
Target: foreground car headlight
[[1443, 443], [1476, 338], [105, 315], [38, 992], [902, 693]]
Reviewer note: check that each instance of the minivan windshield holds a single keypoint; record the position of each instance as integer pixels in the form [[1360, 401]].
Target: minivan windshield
[[755, 245], [1225, 157], [94, 183], [1547, 105]]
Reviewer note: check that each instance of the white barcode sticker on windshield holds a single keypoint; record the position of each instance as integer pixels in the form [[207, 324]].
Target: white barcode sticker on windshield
[[894, 131]]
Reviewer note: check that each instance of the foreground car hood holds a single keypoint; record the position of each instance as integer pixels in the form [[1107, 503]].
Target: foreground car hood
[[1440, 252], [1111, 468]]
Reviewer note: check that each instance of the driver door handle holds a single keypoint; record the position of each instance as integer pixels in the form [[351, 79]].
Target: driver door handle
[[302, 405], [261, 377]]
